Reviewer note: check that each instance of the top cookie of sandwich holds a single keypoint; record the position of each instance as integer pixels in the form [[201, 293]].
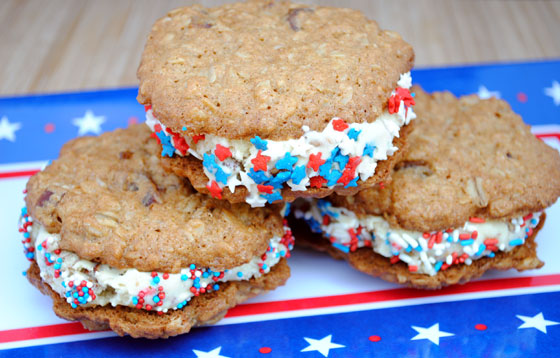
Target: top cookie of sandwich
[[112, 203], [268, 68], [467, 157]]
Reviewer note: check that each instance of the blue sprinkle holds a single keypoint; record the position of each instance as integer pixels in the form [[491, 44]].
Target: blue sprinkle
[[221, 176], [450, 238], [74, 305], [192, 266], [40, 248], [481, 249], [59, 260], [64, 285], [352, 183], [516, 242], [209, 162], [333, 177], [81, 299], [279, 179], [196, 284], [342, 160], [258, 177], [412, 94], [325, 168], [184, 128], [240, 274], [283, 253], [156, 279], [270, 198], [216, 287], [341, 247], [168, 150], [259, 143], [30, 255], [57, 266], [353, 134], [24, 273], [408, 248], [85, 289], [184, 277], [368, 150], [298, 174], [135, 300], [205, 275], [23, 211], [264, 266], [334, 153], [418, 248], [196, 279], [26, 235], [287, 208], [491, 254], [534, 221], [287, 162], [467, 242], [438, 265], [76, 295], [68, 293], [217, 274]]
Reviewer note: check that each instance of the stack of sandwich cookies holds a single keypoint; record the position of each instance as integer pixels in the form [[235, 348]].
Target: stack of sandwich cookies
[[468, 196], [119, 243], [262, 102]]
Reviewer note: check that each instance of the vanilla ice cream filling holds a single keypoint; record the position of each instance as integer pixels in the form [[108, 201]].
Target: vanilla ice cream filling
[[367, 143], [86, 283], [425, 253]]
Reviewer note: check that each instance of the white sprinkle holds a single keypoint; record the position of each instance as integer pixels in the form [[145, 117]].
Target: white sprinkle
[[410, 240], [455, 235], [468, 261], [449, 259], [398, 240], [405, 258]]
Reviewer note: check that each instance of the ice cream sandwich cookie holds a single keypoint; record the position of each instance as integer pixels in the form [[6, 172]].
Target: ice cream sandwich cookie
[[267, 101], [119, 243], [467, 197]]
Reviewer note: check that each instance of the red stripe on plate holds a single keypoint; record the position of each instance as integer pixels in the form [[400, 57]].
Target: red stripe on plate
[[548, 135], [390, 295], [65, 329], [17, 174]]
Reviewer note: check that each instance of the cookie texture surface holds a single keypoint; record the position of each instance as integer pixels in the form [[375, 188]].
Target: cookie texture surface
[[467, 157], [192, 169], [111, 202], [521, 258], [204, 309], [267, 68]]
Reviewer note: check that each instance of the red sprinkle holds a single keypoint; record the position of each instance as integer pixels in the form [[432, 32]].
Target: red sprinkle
[[464, 236], [412, 268], [477, 220], [474, 234], [147, 107], [490, 242], [265, 350], [165, 276], [394, 259], [374, 338], [265, 188], [222, 152], [260, 162], [339, 125], [198, 137], [315, 161], [317, 181], [214, 189]]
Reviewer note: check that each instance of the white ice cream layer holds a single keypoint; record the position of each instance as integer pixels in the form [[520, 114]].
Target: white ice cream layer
[[371, 142], [130, 287], [423, 252]]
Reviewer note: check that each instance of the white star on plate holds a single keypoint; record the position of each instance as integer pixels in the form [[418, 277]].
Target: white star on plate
[[484, 93], [536, 321], [215, 353], [554, 92], [432, 333], [89, 123], [8, 130], [322, 346]]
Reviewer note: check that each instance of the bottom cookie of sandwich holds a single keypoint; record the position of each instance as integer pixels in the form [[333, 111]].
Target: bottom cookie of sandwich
[[201, 310]]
